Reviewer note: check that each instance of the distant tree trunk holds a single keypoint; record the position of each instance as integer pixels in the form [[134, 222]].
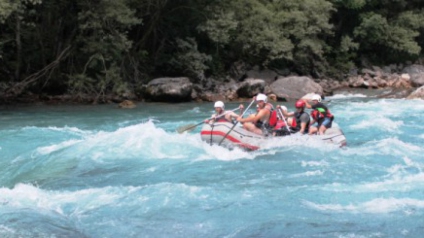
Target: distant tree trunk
[[18, 48]]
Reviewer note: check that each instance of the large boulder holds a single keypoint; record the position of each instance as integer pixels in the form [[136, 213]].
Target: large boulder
[[294, 87], [169, 90], [417, 74], [267, 75], [250, 87], [417, 94]]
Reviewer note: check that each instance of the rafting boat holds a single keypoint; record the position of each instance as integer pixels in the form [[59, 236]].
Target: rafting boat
[[228, 135]]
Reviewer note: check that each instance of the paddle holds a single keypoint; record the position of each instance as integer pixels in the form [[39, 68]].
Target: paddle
[[236, 122], [190, 127], [279, 110]]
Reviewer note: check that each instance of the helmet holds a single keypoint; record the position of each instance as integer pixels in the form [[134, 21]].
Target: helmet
[[316, 97], [261, 97], [300, 103], [219, 104]]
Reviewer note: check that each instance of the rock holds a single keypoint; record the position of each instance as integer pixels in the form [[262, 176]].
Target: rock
[[169, 89], [127, 104], [250, 87], [417, 94], [294, 87], [267, 75], [416, 73], [272, 97]]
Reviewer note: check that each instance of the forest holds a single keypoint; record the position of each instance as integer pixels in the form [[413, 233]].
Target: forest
[[101, 47]]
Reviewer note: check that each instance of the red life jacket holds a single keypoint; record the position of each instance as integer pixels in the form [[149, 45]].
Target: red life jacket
[[280, 124], [273, 118]]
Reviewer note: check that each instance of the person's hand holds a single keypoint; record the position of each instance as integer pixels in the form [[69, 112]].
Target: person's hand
[[206, 121], [239, 118]]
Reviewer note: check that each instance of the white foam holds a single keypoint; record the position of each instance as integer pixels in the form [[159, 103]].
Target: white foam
[[389, 146], [220, 153], [347, 95], [308, 174], [381, 123], [321, 163], [378, 205]]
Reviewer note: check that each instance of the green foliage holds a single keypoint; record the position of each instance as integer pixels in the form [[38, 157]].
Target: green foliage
[[375, 31], [112, 45], [189, 60], [104, 41], [262, 32]]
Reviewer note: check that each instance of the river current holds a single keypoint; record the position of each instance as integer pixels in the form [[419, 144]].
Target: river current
[[101, 171]]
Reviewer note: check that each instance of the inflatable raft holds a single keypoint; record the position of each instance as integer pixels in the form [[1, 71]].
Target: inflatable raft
[[228, 135]]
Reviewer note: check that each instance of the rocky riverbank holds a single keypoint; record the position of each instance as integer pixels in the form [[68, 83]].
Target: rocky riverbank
[[387, 82]]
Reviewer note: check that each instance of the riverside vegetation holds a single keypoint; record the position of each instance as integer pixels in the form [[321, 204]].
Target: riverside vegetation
[[95, 51]]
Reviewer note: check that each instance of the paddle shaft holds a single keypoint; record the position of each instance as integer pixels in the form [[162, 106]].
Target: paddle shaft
[[236, 122], [284, 119], [198, 124]]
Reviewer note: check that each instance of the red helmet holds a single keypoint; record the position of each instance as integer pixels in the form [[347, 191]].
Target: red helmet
[[300, 103]]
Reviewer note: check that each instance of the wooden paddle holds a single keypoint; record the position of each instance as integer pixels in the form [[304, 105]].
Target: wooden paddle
[[191, 127]]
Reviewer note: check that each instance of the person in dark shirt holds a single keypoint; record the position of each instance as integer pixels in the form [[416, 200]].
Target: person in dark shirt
[[301, 120]]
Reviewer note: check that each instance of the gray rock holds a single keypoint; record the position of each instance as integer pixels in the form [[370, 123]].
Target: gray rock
[[169, 90], [417, 74], [294, 87], [417, 94], [250, 87]]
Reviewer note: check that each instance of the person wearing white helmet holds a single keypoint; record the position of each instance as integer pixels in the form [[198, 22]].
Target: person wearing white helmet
[[321, 116], [259, 122], [221, 115]]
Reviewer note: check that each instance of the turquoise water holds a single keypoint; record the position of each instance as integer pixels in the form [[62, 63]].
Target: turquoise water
[[100, 171]]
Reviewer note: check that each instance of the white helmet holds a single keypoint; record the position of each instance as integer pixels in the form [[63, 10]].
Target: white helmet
[[316, 97], [219, 104], [261, 97], [284, 108]]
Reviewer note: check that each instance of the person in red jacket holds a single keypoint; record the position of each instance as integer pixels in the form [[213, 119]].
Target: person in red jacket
[[320, 114]]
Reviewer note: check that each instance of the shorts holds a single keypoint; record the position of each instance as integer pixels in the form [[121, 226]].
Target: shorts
[[327, 122]]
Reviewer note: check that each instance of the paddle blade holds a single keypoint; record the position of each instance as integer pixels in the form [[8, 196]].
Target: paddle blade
[[187, 128]]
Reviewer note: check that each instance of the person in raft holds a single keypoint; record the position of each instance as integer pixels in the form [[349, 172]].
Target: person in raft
[[259, 123], [221, 115], [299, 120], [321, 116]]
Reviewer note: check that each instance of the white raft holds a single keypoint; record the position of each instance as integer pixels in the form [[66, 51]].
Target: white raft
[[239, 137]]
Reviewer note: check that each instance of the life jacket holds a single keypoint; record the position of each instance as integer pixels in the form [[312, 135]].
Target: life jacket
[[280, 124], [316, 115], [273, 119], [321, 112]]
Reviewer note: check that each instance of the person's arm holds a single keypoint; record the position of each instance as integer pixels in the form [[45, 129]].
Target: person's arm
[[303, 121], [302, 127], [211, 120], [285, 113], [253, 119], [241, 109], [307, 104]]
